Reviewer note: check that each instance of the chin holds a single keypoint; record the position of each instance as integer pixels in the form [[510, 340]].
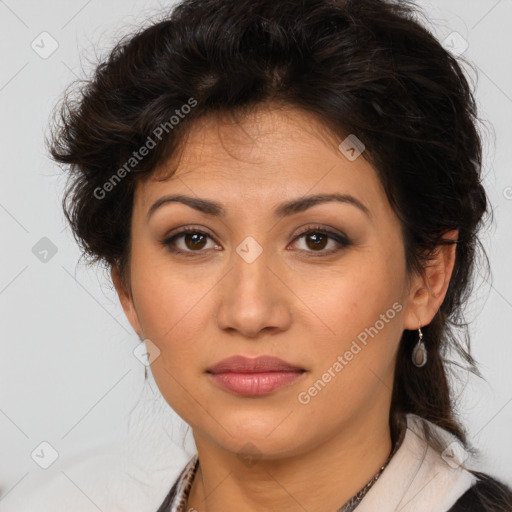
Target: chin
[[265, 437]]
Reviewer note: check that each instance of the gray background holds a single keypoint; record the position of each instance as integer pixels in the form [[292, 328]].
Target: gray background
[[68, 373]]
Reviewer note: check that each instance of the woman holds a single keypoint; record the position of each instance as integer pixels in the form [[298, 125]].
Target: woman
[[288, 197]]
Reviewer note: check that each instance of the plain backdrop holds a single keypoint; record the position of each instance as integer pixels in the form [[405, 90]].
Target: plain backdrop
[[72, 394]]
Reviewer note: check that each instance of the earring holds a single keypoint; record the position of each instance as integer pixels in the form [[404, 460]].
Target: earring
[[419, 352]]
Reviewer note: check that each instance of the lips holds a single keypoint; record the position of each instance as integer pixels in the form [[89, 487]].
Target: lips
[[248, 377], [241, 364]]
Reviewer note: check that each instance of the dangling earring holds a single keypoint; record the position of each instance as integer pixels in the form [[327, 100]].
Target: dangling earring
[[419, 352]]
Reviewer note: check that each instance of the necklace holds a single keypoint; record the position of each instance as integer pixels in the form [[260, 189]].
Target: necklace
[[356, 499]]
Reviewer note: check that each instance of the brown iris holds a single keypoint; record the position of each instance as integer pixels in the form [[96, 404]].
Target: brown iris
[[320, 240], [197, 240]]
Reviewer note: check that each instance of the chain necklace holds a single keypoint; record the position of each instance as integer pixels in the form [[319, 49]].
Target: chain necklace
[[355, 500]]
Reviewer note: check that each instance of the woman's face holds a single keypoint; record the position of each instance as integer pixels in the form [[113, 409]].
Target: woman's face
[[247, 281]]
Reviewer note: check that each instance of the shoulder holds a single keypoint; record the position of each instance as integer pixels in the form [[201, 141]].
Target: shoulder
[[486, 495], [466, 490]]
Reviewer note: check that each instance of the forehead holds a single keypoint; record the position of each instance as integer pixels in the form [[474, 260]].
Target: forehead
[[262, 158]]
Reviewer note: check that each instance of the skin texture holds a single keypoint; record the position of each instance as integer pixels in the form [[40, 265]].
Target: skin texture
[[290, 302]]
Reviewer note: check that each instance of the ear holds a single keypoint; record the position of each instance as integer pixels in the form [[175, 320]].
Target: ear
[[427, 292], [126, 299]]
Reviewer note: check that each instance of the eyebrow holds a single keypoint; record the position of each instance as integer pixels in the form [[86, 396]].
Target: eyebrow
[[294, 206]]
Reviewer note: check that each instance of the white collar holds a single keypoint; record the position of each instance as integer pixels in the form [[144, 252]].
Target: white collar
[[418, 478]]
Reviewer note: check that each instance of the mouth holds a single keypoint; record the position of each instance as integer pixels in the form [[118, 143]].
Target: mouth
[[254, 376]]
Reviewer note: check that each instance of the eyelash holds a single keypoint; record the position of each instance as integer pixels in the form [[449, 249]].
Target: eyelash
[[340, 239]]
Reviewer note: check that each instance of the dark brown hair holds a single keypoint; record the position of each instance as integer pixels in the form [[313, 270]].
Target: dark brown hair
[[364, 67]]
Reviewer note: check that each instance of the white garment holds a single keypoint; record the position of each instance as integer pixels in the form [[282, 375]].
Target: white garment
[[418, 478]]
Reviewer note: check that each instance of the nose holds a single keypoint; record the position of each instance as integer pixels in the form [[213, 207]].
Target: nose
[[254, 298]]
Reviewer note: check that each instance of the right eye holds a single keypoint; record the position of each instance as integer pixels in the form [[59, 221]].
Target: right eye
[[192, 240]]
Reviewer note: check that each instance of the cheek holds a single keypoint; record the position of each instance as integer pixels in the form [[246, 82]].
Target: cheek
[[362, 310], [170, 299], [172, 316], [355, 299]]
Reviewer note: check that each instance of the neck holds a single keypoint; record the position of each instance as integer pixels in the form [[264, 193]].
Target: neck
[[318, 480]]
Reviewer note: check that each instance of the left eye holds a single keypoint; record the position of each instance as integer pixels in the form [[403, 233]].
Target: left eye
[[316, 240]]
